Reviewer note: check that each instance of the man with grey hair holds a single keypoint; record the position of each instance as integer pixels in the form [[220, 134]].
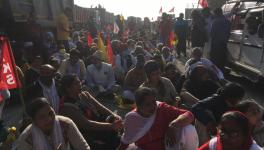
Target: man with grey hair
[[197, 59], [45, 86]]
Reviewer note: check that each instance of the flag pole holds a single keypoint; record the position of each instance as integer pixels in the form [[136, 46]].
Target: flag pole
[[18, 79], [198, 3]]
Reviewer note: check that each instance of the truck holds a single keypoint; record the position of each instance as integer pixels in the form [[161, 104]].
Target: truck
[[15, 15], [245, 45]]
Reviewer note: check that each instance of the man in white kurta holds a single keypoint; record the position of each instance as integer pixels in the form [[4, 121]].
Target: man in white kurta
[[100, 76]]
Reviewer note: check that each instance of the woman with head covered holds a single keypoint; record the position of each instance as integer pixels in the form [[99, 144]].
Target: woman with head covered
[[154, 125], [49, 131]]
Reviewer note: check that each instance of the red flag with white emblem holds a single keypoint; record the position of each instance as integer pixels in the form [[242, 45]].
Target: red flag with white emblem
[[8, 76]]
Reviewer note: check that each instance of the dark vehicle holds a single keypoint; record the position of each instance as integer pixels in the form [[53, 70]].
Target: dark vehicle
[[246, 40]]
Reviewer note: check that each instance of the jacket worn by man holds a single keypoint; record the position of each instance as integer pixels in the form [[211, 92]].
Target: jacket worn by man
[[210, 109]]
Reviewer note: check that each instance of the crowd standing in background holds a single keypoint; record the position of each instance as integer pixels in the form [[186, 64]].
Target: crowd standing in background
[[65, 90]]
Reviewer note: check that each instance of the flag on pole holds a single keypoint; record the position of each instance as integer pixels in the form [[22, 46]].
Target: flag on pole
[[160, 11], [89, 39], [8, 76], [203, 3], [116, 28], [101, 47], [173, 39], [110, 51], [122, 19], [172, 10]]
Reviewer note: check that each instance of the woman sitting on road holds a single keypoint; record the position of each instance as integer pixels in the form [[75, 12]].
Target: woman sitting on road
[[154, 123], [49, 131], [254, 112], [234, 134], [97, 123]]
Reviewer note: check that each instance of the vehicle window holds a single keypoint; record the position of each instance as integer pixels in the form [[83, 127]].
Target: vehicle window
[[247, 5], [228, 7], [237, 21], [253, 22]]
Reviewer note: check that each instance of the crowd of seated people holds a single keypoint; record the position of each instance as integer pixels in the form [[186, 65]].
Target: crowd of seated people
[[65, 96]]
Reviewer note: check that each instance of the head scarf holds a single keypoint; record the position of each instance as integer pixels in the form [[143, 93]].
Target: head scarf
[[40, 141]]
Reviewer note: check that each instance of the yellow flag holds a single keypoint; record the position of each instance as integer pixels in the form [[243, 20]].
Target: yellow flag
[[176, 40], [101, 47], [122, 19]]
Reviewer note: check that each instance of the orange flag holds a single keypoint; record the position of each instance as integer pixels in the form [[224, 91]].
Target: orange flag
[[171, 39], [89, 39], [110, 52]]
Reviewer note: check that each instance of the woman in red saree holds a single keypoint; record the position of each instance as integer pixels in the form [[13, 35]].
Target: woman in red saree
[[234, 134], [155, 125]]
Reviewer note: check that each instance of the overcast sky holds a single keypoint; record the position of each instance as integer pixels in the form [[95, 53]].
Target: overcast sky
[[139, 8]]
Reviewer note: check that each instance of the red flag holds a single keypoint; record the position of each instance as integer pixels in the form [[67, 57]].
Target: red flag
[[110, 52], [8, 76], [89, 39], [172, 10], [160, 11], [203, 3]]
